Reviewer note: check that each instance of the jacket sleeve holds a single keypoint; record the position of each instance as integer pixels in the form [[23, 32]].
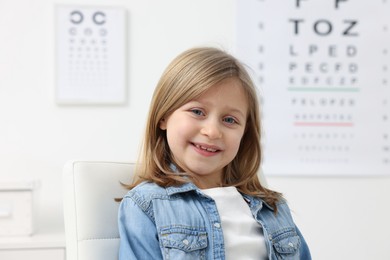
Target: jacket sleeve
[[304, 251], [138, 234]]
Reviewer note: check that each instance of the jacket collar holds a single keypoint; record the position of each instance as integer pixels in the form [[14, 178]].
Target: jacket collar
[[182, 188], [254, 203]]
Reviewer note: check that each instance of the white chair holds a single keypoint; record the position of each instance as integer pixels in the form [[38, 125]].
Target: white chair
[[90, 212]]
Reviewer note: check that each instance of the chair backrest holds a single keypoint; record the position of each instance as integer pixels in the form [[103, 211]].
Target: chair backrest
[[90, 212]]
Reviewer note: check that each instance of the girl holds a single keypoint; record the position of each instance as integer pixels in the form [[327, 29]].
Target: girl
[[197, 194]]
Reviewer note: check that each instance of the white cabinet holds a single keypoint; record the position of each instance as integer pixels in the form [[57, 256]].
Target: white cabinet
[[17, 208], [33, 254], [22, 235], [40, 246]]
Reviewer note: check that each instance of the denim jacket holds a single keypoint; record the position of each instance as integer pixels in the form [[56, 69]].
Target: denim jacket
[[183, 223]]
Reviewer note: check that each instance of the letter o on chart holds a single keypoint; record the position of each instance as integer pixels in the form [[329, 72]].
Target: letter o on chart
[[76, 17]]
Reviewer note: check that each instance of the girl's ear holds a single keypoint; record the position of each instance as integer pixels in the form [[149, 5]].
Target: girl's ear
[[163, 124]]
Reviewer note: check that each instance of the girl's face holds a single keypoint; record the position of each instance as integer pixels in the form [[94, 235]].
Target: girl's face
[[204, 134]]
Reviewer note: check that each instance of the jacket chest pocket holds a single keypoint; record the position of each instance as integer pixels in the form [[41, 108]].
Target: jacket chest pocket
[[183, 243], [286, 243]]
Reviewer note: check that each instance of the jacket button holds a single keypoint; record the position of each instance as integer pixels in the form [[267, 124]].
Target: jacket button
[[217, 225], [186, 242]]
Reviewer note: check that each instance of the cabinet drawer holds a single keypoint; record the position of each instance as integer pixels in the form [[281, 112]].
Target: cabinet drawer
[[33, 254]]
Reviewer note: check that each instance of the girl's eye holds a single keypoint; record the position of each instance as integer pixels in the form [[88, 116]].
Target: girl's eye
[[230, 120], [197, 112]]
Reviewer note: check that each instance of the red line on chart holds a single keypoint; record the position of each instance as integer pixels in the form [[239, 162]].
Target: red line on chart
[[345, 124]]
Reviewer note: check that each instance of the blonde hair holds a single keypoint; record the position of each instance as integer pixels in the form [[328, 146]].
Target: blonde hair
[[187, 77]]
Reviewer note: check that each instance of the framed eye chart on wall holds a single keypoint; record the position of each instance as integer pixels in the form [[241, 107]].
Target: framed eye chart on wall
[[90, 55], [323, 71]]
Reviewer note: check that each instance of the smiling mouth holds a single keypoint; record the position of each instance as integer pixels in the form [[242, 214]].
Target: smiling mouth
[[205, 148]]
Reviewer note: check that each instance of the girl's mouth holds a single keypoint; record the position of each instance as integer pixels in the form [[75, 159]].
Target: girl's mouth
[[206, 148]]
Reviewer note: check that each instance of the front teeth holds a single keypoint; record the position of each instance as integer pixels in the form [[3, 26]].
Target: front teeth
[[206, 149]]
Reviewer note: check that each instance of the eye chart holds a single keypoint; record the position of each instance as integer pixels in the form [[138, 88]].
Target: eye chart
[[90, 55], [323, 70]]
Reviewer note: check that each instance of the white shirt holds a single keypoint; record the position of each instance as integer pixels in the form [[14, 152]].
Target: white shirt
[[243, 236]]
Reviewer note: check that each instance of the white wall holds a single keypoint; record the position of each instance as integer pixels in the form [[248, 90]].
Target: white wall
[[340, 218]]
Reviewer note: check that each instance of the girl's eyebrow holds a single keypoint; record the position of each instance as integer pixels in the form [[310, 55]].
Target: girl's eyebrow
[[227, 107], [236, 110]]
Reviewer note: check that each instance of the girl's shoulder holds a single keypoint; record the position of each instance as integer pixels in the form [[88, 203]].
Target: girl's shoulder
[[144, 193], [146, 189]]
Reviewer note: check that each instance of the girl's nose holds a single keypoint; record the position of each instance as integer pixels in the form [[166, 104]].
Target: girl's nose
[[211, 129]]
